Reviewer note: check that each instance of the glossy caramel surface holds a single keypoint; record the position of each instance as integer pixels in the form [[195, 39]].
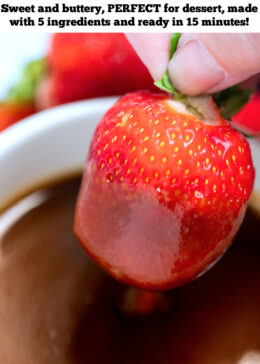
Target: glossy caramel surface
[[57, 306]]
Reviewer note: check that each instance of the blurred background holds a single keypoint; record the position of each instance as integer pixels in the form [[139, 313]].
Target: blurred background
[[17, 49], [39, 71]]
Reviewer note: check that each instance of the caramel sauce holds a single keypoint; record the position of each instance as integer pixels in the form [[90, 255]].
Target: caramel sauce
[[57, 306]]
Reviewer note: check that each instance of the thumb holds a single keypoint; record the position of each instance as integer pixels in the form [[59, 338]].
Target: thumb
[[205, 63]]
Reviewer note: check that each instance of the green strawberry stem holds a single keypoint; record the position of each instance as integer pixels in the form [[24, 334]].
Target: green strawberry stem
[[228, 101], [26, 87], [174, 42]]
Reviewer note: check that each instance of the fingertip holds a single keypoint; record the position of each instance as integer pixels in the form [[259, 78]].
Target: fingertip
[[193, 70], [153, 49]]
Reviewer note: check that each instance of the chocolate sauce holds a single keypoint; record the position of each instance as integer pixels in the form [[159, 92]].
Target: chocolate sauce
[[57, 306]]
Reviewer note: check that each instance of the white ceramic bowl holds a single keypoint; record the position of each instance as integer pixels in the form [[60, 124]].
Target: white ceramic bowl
[[46, 146], [54, 143]]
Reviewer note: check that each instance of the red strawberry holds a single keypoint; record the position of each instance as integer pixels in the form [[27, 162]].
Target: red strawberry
[[163, 193], [249, 117], [13, 111], [91, 65]]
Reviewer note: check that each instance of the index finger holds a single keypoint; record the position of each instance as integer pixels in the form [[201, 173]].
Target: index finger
[[153, 49]]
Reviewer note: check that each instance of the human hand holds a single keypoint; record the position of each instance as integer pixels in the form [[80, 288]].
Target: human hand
[[203, 62]]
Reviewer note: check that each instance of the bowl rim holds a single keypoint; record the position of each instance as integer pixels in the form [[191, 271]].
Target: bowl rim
[[36, 128], [45, 119]]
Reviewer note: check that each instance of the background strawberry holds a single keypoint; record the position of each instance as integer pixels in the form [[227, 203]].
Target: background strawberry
[[249, 117], [163, 193], [81, 66], [91, 65]]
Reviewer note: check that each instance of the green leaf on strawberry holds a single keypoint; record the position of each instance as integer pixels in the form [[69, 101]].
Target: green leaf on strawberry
[[165, 83], [231, 100]]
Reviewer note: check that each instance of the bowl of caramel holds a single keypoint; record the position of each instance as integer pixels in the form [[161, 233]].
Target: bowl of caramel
[[57, 306]]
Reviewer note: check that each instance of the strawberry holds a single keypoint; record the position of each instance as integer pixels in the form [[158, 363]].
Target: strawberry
[[163, 192], [249, 117], [13, 111], [91, 65]]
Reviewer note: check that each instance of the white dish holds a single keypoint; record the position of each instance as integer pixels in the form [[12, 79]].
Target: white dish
[[46, 146]]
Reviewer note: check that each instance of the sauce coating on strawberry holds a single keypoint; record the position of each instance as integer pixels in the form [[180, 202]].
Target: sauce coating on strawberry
[[163, 193]]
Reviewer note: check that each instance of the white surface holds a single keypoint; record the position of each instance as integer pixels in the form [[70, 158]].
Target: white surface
[[47, 146], [16, 50], [53, 143]]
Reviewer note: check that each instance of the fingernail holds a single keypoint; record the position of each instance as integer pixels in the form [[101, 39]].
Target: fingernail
[[193, 70]]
